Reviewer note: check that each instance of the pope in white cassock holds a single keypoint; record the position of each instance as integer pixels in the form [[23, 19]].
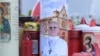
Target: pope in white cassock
[[53, 45]]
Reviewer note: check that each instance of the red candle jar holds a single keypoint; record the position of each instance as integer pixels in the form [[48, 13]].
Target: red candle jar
[[33, 29], [26, 49], [75, 44]]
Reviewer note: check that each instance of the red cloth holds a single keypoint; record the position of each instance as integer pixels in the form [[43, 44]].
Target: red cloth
[[83, 21], [92, 23], [36, 10]]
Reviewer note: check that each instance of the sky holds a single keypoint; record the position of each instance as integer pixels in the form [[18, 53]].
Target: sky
[[95, 9], [85, 8], [27, 5], [79, 6]]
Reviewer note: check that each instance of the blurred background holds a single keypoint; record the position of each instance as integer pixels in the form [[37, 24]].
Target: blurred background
[[85, 8]]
